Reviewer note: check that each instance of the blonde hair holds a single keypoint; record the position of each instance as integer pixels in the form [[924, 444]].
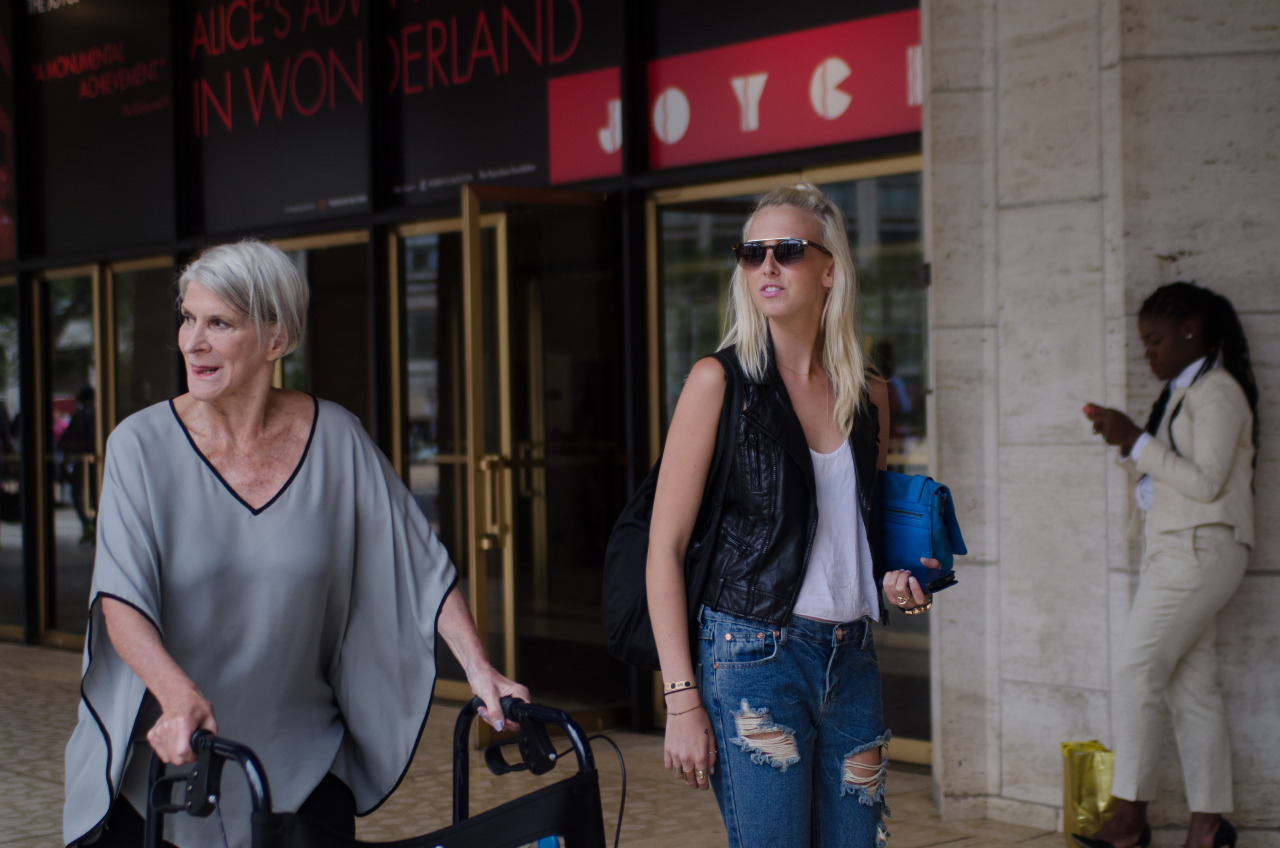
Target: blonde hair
[[259, 280], [841, 350]]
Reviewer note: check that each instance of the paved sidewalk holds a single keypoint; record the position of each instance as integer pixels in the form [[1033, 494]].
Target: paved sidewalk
[[38, 693]]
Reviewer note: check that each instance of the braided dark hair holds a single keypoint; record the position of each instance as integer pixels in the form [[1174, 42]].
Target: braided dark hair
[[1223, 335]]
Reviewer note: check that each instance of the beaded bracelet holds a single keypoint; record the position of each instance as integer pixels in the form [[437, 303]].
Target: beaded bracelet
[[678, 686]]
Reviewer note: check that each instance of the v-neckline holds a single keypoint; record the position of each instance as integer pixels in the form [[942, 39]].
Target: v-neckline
[[306, 450]]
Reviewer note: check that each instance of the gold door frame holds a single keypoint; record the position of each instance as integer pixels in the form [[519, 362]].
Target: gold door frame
[[489, 498], [488, 511], [902, 749], [490, 476]]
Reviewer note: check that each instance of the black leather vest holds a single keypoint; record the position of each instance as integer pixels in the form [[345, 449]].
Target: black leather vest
[[770, 511]]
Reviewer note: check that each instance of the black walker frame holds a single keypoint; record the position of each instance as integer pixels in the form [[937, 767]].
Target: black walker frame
[[569, 809]]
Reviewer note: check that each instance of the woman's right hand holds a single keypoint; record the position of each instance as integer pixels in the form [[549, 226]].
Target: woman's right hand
[[183, 715], [689, 749]]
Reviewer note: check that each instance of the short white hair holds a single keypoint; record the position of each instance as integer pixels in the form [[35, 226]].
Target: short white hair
[[259, 280]]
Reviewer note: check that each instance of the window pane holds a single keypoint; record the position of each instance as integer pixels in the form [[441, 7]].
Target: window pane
[[146, 339], [335, 361], [73, 463], [11, 585]]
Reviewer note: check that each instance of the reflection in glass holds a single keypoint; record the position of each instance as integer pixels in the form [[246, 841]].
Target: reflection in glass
[[73, 463], [145, 339], [11, 586], [435, 435], [435, 426], [335, 360], [882, 217]]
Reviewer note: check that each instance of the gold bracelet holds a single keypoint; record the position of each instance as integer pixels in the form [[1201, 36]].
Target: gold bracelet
[[698, 706], [918, 610], [678, 686]]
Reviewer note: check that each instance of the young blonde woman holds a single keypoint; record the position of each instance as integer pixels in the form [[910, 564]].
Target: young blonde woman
[[777, 704]]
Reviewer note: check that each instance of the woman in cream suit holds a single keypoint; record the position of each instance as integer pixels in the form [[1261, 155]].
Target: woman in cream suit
[[1195, 463]]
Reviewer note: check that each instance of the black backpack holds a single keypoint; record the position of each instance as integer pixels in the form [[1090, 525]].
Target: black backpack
[[625, 605]]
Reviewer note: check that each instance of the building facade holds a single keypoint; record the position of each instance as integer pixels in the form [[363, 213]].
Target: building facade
[[515, 216]]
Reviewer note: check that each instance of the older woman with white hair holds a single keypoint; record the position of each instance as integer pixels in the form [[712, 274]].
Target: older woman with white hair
[[263, 573]]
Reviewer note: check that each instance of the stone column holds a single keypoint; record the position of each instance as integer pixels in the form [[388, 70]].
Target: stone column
[[1077, 155]]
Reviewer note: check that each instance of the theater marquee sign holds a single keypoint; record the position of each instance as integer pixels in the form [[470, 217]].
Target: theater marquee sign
[[243, 114]]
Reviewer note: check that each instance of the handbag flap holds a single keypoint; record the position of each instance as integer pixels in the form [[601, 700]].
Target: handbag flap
[[953, 524]]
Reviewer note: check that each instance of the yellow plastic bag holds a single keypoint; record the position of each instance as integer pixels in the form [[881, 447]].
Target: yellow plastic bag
[[1086, 788]]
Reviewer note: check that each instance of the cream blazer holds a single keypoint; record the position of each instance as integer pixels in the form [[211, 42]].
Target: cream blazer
[[1209, 479]]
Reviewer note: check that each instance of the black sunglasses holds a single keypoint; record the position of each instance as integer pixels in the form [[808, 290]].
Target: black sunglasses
[[786, 251]]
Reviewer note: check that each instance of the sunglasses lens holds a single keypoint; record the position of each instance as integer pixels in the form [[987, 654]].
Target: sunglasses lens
[[750, 255], [788, 251]]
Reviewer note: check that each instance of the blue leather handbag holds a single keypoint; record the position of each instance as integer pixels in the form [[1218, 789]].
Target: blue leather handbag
[[919, 520]]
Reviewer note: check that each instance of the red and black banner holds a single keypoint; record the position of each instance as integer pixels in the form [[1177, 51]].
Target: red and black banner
[[505, 91], [98, 81], [8, 212], [829, 84], [276, 101], [278, 109]]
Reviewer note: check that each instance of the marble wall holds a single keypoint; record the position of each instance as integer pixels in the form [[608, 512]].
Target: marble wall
[[1078, 154]]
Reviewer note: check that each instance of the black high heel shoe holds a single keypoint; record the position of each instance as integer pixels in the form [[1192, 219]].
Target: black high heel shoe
[[1225, 837], [1144, 838]]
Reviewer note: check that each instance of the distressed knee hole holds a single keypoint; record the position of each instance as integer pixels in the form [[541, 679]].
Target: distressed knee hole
[[768, 743], [864, 772]]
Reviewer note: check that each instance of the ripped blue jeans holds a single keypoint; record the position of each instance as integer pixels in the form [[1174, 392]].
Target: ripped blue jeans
[[792, 708]]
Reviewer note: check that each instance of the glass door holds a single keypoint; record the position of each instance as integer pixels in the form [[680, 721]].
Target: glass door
[[70, 442], [144, 366], [512, 428], [335, 267]]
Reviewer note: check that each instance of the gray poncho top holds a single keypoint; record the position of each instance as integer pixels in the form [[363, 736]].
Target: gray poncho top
[[308, 623]]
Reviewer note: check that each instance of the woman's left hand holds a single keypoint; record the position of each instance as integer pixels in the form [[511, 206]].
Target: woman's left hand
[[1113, 426], [904, 591], [459, 631], [492, 686]]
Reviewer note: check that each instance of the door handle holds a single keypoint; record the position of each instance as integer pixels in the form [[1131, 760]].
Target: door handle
[[492, 465], [529, 458]]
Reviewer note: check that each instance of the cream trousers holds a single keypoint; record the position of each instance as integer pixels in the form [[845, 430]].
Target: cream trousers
[[1168, 654]]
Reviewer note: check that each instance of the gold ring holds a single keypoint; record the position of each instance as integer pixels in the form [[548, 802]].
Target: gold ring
[[677, 771], [901, 600], [700, 774]]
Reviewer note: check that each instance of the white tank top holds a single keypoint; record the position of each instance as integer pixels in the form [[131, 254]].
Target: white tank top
[[838, 584]]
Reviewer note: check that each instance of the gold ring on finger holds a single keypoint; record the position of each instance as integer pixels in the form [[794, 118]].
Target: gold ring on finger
[[677, 770], [700, 775], [901, 600]]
